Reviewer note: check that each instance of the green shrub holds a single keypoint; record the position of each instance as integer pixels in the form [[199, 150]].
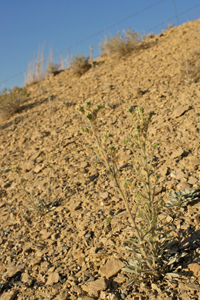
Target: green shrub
[[39, 199], [150, 244], [11, 100], [80, 64], [122, 45]]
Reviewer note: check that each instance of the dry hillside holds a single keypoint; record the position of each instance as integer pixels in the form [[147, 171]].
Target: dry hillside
[[45, 156]]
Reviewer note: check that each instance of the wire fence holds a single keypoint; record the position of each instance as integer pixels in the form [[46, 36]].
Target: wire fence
[[67, 50]]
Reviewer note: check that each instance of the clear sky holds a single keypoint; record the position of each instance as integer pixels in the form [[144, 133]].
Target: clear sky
[[59, 24]]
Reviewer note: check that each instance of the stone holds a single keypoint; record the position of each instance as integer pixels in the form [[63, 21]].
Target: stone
[[193, 286], [38, 168], [94, 287], [195, 161], [177, 153], [26, 278], [183, 185], [104, 195], [62, 295], [111, 268], [158, 190], [197, 219], [29, 175], [9, 295], [192, 180], [35, 261], [195, 268], [120, 278], [53, 278], [180, 111], [28, 165], [178, 175], [13, 271]]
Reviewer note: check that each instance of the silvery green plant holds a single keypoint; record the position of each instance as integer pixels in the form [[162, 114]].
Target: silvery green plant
[[181, 198], [44, 203], [149, 242]]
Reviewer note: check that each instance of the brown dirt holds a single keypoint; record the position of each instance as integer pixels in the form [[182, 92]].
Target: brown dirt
[[59, 255]]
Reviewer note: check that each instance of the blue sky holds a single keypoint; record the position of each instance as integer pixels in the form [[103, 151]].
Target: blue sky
[[26, 25]]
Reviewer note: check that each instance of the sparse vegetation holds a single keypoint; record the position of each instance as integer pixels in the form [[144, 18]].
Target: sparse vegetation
[[41, 199], [11, 101], [80, 64], [122, 45], [190, 67], [181, 198], [150, 243], [35, 71], [51, 67]]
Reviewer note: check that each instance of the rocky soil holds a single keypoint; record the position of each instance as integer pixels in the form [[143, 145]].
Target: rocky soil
[[75, 250]]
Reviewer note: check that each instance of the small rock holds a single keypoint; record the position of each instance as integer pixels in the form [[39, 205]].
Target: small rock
[[195, 161], [195, 268], [120, 278], [36, 261], [9, 295], [53, 278], [169, 219], [192, 180], [183, 185], [25, 278], [29, 175], [180, 111], [109, 296], [197, 219], [158, 190], [62, 295], [77, 289], [104, 195], [193, 286], [178, 175], [27, 248], [29, 165], [88, 235], [111, 268], [38, 168], [13, 271], [177, 153], [96, 286]]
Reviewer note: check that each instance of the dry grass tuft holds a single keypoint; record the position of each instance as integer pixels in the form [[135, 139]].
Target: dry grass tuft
[[80, 64], [51, 67], [190, 67], [122, 45], [35, 71], [11, 100]]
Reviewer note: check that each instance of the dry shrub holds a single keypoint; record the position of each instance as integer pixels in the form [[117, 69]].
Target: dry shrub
[[51, 67], [11, 100], [122, 45], [35, 71], [80, 64], [152, 242], [190, 67]]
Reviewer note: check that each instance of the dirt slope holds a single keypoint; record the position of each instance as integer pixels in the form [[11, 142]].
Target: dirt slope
[[58, 255]]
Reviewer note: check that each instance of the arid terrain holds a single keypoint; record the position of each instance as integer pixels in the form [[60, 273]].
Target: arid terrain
[[75, 249]]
